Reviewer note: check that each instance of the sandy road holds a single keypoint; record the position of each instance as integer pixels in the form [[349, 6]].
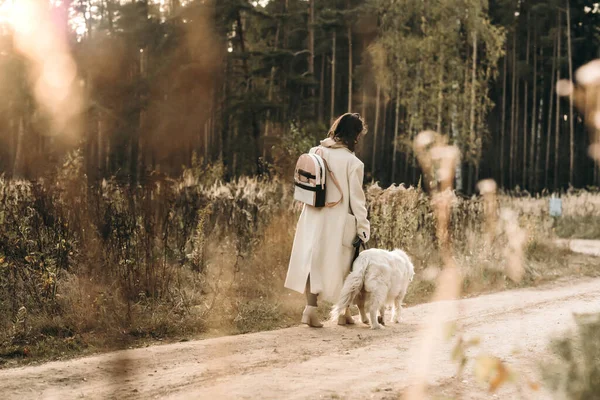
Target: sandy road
[[333, 362], [591, 247], [305, 363]]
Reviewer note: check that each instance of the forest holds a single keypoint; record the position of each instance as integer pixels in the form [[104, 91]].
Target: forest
[[147, 88]]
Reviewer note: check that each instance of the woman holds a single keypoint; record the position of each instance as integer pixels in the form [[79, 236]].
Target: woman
[[322, 251]]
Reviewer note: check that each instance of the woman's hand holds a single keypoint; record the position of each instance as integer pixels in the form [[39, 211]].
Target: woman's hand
[[358, 202]]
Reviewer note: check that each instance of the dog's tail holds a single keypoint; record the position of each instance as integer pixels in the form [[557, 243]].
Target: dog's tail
[[352, 287]]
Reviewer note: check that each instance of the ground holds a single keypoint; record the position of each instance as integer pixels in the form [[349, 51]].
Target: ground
[[331, 363], [591, 247]]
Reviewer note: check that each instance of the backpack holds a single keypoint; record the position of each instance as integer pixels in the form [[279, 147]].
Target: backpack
[[310, 178]]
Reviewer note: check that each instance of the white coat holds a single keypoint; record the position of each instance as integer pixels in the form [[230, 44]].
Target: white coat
[[323, 241]]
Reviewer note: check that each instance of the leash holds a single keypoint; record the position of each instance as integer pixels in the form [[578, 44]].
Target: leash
[[357, 245]]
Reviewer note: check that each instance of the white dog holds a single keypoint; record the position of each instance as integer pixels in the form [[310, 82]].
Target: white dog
[[378, 277]]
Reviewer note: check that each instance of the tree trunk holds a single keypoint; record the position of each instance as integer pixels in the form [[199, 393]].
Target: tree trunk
[[206, 135], [110, 15], [538, 140], [322, 90], [100, 144], [363, 111], [137, 147], [503, 122], [408, 153], [240, 35], [375, 132], [350, 66], [533, 115], [480, 128], [216, 123], [18, 167], [214, 136], [235, 154], [557, 127], [440, 95], [550, 104], [455, 140], [13, 137], [270, 92], [225, 100], [516, 148], [285, 99], [382, 152], [396, 127], [525, 105], [513, 109], [472, 116], [285, 32], [332, 113], [571, 121], [311, 42], [420, 122], [254, 121]]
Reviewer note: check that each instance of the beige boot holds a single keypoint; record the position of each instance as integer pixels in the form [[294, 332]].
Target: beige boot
[[310, 318], [346, 318]]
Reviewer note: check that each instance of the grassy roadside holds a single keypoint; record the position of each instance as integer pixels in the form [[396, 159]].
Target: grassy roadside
[[578, 227]]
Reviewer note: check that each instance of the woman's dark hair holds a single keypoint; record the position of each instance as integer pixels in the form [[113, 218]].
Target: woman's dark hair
[[347, 128]]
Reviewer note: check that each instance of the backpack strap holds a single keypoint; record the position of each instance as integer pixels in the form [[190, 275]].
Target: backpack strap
[[335, 181]]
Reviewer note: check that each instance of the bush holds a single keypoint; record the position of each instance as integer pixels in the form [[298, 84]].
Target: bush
[[115, 259]]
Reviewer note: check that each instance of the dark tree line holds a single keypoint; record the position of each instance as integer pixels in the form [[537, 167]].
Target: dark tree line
[[251, 83]]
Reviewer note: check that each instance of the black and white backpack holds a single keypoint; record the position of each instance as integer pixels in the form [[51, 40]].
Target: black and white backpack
[[310, 179]]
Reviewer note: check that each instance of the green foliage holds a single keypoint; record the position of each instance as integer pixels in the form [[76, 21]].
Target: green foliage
[[423, 58], [301, 138], [165, 80], [296, 141]]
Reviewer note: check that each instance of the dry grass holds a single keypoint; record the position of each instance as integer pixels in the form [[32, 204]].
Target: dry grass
[[90, 269], [578, 227], [404, 218], [581, 214]]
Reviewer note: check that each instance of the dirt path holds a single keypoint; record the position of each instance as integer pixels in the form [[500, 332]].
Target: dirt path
[[591, 247], [304, 363], [330, 363]]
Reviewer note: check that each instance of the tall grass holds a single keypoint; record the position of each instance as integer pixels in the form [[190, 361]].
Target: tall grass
[[104, 265], [119, 261]]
